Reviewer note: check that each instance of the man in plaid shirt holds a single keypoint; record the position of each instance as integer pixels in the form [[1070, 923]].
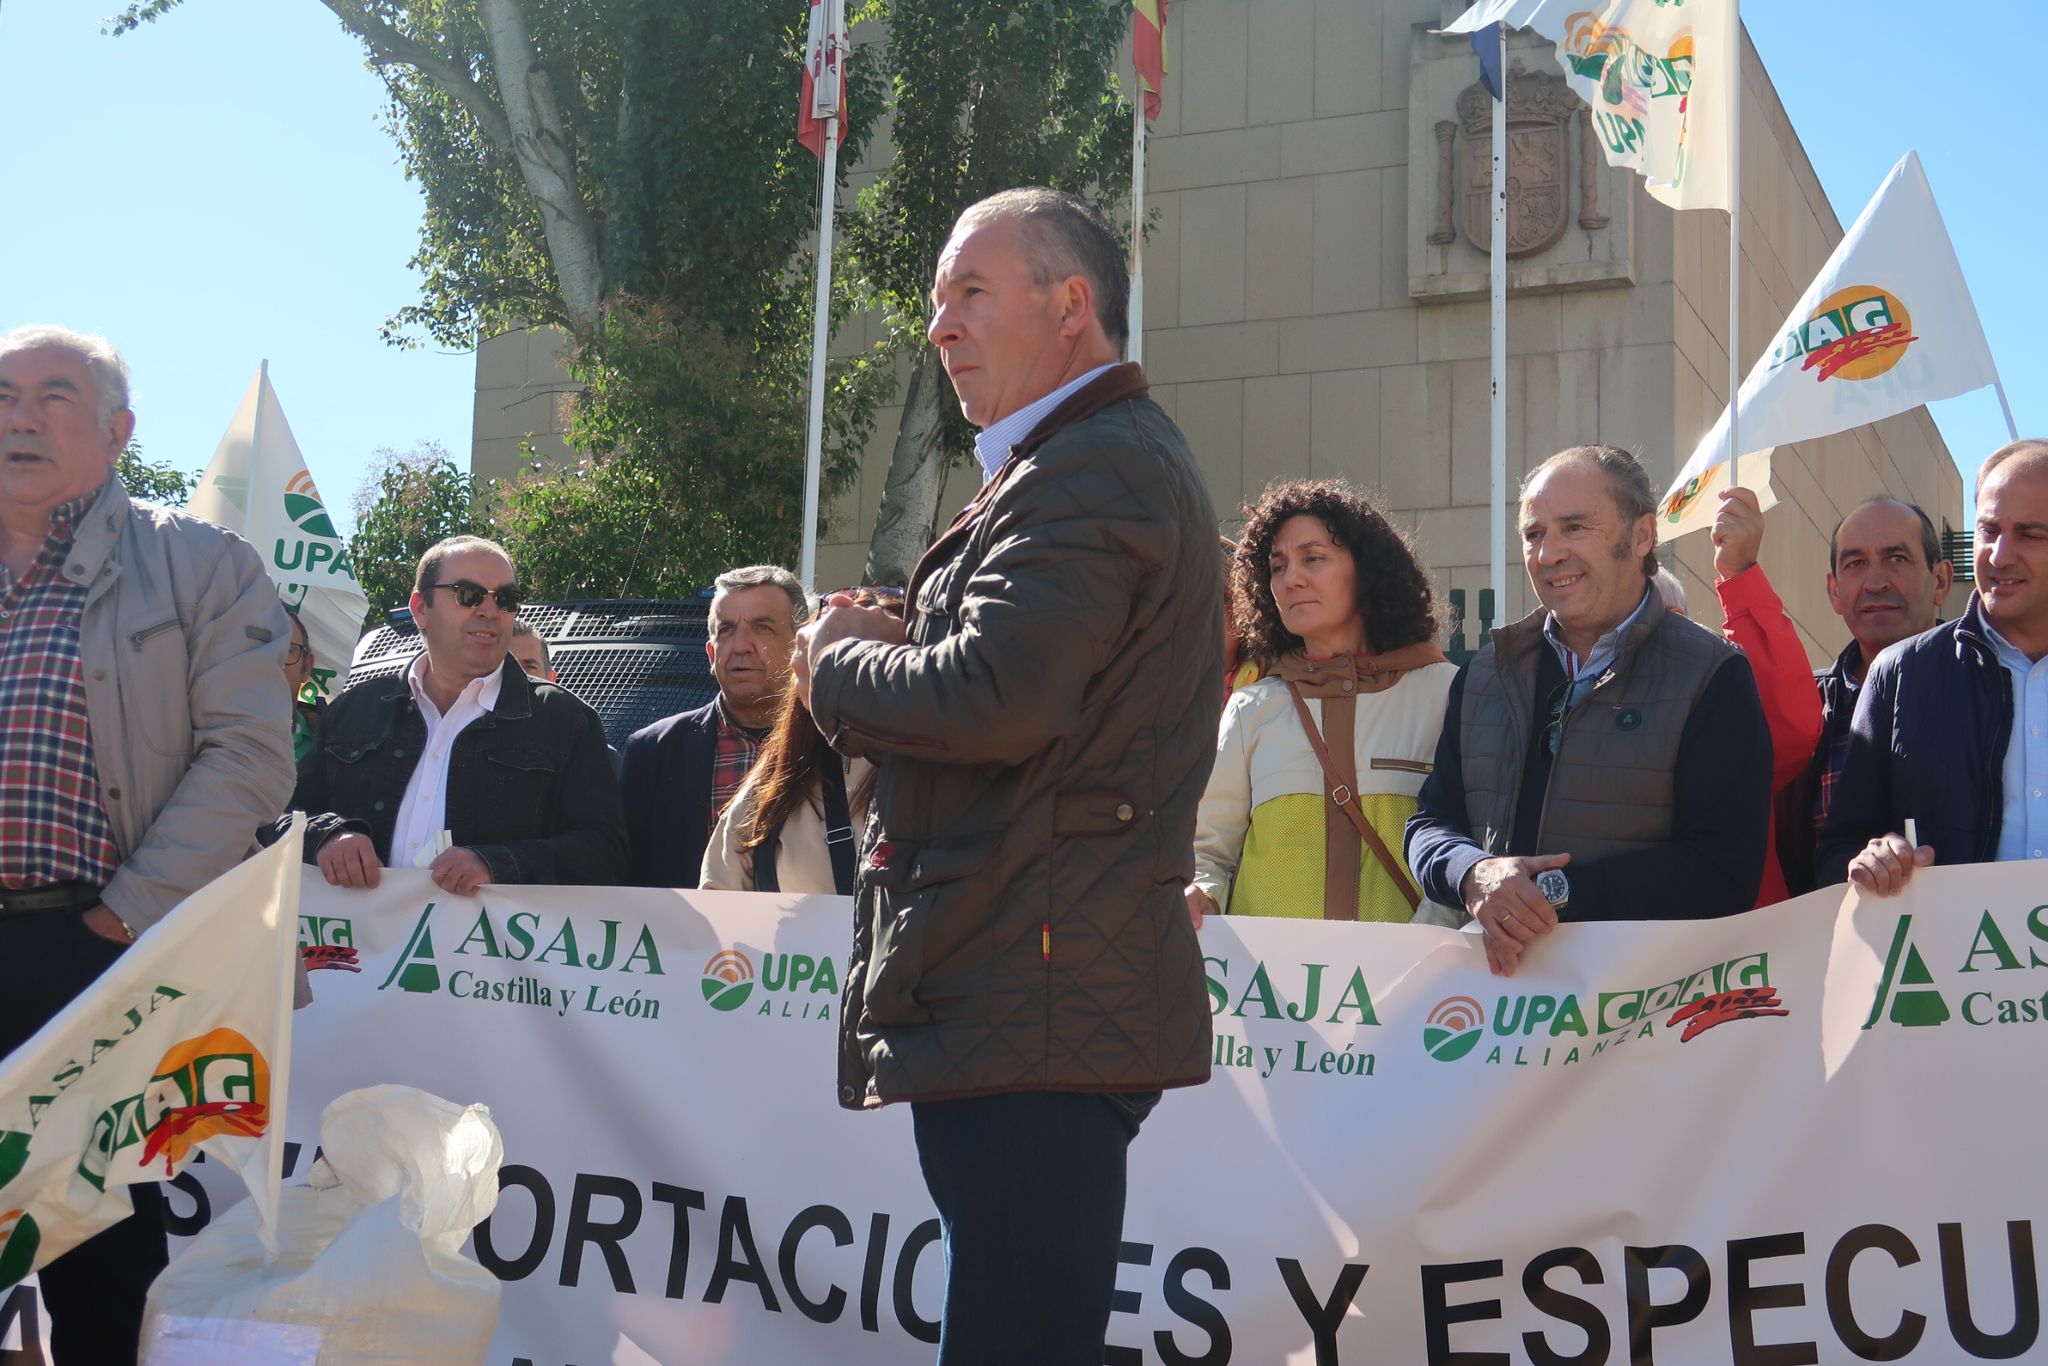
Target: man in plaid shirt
[[143, 738]]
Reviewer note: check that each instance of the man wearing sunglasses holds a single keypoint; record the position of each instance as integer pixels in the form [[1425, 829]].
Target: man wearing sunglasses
[[1603, 758], [514, 770]]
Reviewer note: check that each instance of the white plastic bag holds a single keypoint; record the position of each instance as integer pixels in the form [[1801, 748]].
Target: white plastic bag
[[370, 1253]]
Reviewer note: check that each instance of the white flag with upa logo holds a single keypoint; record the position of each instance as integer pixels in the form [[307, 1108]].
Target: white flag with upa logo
[[182, 1045], [1659, 75], [1886, 326], [257, 486]]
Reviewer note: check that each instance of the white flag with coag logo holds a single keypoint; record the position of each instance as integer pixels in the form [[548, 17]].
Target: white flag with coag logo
[[1886, 326], [257, 486], [1658, 74], [183, 1043]]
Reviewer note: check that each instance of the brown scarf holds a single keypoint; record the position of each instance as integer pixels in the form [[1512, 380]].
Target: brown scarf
[[1337, 682]]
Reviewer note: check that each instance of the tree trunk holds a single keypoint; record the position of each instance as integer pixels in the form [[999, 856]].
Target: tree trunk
[[540, 142], [909, 515]]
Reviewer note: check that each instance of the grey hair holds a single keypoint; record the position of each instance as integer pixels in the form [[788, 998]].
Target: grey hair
[[1672, 590], [106, 365], [1065, 235], [1628, 483], [763, 576]]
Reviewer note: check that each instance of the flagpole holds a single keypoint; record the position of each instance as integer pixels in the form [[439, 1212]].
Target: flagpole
[[1497, 523], [2012, 430], [821, 326], [1134, 345], [1735, 256]]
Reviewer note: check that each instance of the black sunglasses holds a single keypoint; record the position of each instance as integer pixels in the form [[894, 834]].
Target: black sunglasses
[[1561, 703], [468, 595]]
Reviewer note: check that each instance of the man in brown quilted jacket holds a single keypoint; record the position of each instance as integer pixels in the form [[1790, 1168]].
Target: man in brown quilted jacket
[[1044, 722]]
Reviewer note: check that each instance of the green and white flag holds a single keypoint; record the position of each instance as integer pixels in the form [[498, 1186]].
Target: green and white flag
[[183, 1044], [257, 486], [1659, 75]]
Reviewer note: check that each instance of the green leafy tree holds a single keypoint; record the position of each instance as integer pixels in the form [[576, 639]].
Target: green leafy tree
[[406, 503], [986, 97], [153, 481], [627, 170]]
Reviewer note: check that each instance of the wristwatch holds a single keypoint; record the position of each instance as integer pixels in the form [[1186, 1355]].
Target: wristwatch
[[1556, 888]]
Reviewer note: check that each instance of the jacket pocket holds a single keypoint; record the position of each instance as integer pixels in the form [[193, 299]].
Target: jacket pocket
[[925, 914], [162, 714]]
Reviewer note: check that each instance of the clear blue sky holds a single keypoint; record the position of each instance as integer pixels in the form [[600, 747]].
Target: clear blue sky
[[215, 189]]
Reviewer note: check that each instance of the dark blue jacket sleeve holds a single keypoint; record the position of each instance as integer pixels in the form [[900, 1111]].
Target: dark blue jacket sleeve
[[1713, 863], [1438, 843], [1860, 807]]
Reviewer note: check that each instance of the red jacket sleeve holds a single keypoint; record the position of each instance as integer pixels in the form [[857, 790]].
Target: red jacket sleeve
[[1757, 624]]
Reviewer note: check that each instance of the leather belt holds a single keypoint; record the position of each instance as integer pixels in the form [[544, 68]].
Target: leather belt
[[58, 896]]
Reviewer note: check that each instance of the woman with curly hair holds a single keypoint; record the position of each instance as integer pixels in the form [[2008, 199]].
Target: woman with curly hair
[[1318, 763], [791, 826]]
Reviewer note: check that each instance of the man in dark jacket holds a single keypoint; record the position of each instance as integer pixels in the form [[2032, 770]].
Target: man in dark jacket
[[1024, 971], [462, 764], [679, 773], [1887, 581], [1602, 758], [1951, 727]]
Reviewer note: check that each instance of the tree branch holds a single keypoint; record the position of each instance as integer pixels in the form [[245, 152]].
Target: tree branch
[[390, 46]]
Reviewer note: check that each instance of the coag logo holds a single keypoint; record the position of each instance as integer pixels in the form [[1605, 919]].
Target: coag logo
[[302, 504], [1453, 1029], [218, 1083], [1683, 498], [1856, 333], [728, 980], [19, 1239], [327, 942]]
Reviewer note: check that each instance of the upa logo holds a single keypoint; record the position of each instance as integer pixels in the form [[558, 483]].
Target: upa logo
[[1856, 333], [19, 1239], [1454, 1028], [302, 504], [728, 980]]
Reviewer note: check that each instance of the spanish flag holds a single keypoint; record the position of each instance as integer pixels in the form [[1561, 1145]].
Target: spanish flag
[[1148, 50]]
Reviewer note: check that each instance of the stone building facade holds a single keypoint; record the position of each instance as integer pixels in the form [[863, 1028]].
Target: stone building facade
[[1315, 296]]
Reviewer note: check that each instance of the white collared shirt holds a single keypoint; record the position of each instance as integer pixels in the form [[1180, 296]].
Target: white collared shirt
[[992, 446], [423, 814]]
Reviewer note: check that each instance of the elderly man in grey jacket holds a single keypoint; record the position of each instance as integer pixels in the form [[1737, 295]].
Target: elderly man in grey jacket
[[143, 737]]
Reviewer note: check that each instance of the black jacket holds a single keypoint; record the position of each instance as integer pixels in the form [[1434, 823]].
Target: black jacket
[[1932, 722], [665, 775], [530, 784]]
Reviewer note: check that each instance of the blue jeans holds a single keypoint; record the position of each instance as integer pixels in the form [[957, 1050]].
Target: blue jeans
[[1029, 1187]]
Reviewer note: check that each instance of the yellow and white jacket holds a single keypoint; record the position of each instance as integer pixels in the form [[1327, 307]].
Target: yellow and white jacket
[[1259, 836]]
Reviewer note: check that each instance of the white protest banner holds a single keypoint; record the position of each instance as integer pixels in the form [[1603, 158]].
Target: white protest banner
[[1887, 325], [183, 1044], [257, 486], [1658, 74], [1806, 1133]]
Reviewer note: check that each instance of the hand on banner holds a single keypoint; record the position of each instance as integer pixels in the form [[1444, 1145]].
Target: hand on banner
[[459, 871], [1200, 904], [1501, 894], [1738, 532], [349, 859], [840, 620], [1886, 863]]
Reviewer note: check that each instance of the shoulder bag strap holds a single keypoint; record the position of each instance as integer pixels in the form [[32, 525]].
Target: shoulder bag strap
[[1346, 800]]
